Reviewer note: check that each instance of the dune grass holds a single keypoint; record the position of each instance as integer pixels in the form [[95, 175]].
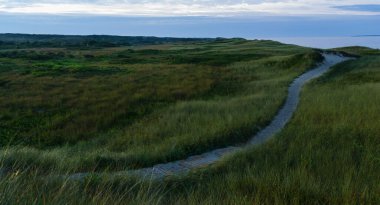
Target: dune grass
[[328, 153], [94, 110]]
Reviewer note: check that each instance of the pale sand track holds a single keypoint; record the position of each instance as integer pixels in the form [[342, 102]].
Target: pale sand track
[[278, 123], [198, 161]]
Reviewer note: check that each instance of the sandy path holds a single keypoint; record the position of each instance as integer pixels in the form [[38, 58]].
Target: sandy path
[[208, 158], [278, 123]]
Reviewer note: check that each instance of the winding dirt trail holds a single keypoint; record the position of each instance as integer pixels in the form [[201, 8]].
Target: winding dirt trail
[[208, 158]]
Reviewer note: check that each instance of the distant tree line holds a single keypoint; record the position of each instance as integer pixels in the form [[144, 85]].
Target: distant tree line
[[33, 55], [76, 41]]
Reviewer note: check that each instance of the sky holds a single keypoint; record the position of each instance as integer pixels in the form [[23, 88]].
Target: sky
[[192, 7], [193, 18]]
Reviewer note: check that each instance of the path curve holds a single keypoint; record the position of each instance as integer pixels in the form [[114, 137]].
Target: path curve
[[278, 123]]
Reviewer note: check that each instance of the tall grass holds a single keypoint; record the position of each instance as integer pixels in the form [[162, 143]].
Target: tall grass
[[145, 114], [328, 154], [22, 188]]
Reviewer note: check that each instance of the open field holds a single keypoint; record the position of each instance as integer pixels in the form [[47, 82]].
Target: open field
[[328, 154], [107, 109], [84, 110]]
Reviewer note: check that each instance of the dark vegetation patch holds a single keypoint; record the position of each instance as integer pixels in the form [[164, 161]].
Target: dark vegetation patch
[[16, 41], [357, 51]]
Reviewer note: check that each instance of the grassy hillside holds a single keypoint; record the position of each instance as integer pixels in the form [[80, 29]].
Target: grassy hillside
[[119, 108], [327, 154]]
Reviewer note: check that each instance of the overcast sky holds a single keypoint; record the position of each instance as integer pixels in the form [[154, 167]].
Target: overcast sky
[[192, 7], [193, 18]]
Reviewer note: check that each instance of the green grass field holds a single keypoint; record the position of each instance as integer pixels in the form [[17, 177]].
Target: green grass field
[[106, 109], [135, 107], [328, 154]]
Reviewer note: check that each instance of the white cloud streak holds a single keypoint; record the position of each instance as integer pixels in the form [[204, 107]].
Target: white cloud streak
[[184, 8]]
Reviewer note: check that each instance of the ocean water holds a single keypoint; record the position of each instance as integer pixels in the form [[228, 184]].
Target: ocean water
[[250, 27], [280, 28], [332, 42]]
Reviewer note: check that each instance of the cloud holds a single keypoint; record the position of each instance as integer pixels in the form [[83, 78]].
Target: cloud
[[190, 7], [361, 7]]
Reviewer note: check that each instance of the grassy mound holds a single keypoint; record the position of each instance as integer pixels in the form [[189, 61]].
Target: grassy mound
[[328, 154], [80, 109]]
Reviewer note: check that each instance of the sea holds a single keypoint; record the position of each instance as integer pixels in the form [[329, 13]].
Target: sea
[[332, 42]]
